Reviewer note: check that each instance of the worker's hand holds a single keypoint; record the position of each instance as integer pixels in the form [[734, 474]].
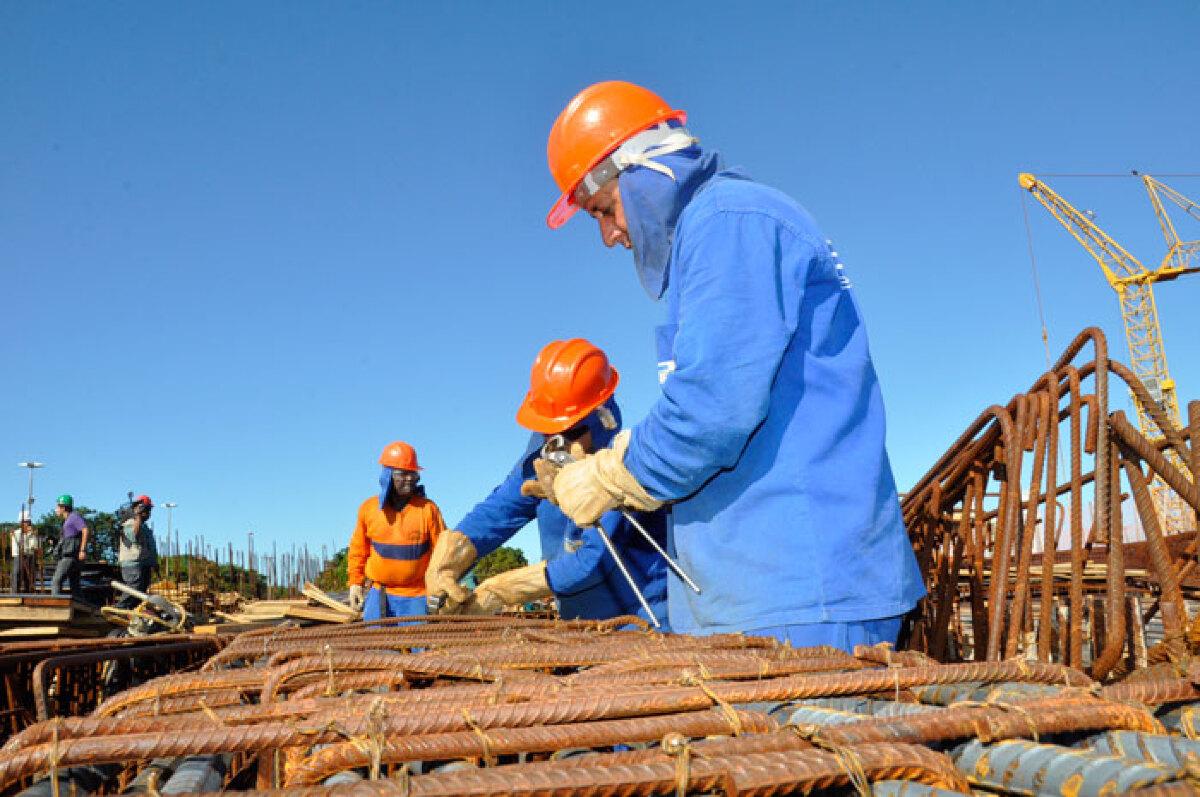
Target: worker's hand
[[82, 556], [588, 488], [451, 558], [357, 598], [510, 588], [542, 486]]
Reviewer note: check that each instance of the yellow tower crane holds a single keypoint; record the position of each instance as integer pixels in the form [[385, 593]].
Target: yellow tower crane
[[1134, 285]]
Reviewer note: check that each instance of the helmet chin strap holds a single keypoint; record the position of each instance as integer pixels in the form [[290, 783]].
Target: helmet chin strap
[[606, 417], [639, 150]]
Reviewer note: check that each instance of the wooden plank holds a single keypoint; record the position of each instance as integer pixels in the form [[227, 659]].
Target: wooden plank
[[35, 614], [272, 607], [51, 631], [319, 615], [315, 593], [233, 628]]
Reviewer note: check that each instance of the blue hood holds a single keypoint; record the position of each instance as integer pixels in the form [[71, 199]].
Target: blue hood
[[385, 486], [653, 202]]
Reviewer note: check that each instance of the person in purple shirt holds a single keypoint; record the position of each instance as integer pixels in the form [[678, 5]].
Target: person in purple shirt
[[72, 548]]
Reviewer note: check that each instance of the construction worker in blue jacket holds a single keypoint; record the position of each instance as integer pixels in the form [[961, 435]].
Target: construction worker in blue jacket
[[571, 389], [768, 438]]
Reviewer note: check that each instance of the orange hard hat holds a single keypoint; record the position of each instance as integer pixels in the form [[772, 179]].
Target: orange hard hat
[[595, 122], [570, 378], [399, 455]]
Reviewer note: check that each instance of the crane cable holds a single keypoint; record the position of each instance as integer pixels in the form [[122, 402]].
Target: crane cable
[[1037, 285], [1037, 292]]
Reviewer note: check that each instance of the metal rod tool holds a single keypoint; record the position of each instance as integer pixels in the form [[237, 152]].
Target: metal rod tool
[[555, 450]]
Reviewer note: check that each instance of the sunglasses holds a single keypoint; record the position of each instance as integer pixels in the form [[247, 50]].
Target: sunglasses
[[574, 433]]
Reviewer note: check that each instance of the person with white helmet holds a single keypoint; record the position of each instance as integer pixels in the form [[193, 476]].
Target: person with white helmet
[[24, 542], [768, 439], [392, 539]]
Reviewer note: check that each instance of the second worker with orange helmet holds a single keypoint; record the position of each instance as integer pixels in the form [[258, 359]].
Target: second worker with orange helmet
[[570, 394], [395, 532]]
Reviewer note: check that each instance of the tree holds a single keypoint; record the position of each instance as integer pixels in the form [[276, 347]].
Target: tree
[[498, 561], [103, 526], [333, 578]]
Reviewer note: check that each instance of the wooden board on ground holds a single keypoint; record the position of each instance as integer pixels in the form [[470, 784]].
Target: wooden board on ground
[[51, 632], [40, 616], [233, 628], [318, 615], [272, 608], [318, 595]]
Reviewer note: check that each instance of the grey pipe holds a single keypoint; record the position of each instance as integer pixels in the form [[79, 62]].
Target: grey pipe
[[79, 781], [198, 773], [159, 770]]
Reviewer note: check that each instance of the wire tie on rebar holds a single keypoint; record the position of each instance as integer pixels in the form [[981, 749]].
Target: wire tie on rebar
[[404, 777], [484, 741], [208, 712], [731, 716], [1187, 723], [494, 698], [152, 783], [676, 745], [330, 691], [375, 736], [846, 756], [54, 754], [1013, 707]]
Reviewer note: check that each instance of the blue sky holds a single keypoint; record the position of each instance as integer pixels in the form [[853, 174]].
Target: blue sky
[[245, 245]]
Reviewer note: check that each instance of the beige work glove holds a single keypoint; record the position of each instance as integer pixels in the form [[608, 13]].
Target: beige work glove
[[452, 556], [357, 598], [543, 485], [588, 488], [510, 588]]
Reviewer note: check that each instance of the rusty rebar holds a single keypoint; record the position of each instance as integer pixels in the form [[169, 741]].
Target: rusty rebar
[[505, 741]]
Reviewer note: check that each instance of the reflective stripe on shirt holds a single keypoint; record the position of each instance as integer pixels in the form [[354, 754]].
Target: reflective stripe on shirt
[[407, 553]]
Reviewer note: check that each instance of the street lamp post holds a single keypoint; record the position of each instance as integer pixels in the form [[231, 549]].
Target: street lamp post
[[32, 466]]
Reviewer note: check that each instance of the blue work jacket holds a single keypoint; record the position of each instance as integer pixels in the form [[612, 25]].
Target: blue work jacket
[[769, 433], [581, 572]]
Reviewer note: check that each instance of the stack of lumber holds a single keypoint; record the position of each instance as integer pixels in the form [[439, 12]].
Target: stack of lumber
[[46, 617], [315, 607]]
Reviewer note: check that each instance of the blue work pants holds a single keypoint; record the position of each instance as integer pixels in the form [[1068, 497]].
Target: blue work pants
[[843, 636], [375, 608]]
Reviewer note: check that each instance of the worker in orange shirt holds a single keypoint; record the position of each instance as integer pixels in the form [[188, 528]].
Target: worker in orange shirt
[[392, 540]]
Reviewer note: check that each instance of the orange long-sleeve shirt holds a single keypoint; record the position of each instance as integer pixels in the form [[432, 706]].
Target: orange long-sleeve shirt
[[392, 548]]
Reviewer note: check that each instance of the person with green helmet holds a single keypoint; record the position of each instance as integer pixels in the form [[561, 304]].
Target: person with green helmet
[[72, 547]]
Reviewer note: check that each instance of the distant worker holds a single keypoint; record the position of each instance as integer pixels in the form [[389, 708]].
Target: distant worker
[[24, 543], [570, 393], [72, 547], [392, 539], [768, 439], [137, 553]]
